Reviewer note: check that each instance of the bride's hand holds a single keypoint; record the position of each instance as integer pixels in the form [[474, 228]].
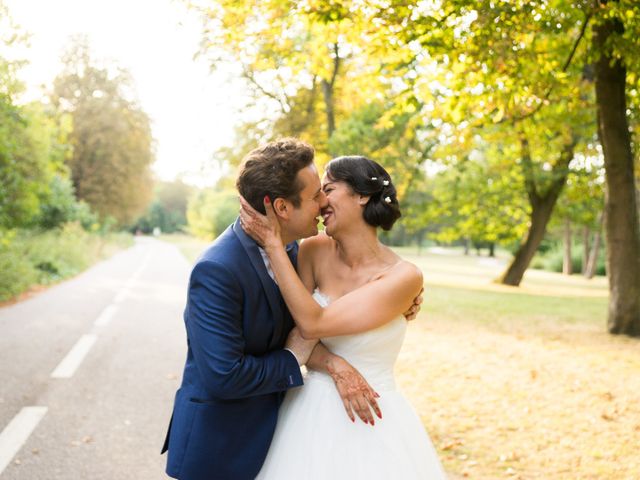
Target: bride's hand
[[264, 229], [355, 392], [414, 309]]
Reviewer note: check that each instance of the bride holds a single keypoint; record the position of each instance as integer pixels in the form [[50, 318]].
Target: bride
[[360, 290]]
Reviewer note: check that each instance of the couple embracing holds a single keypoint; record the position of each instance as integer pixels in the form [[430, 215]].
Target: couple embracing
[[259, 308]]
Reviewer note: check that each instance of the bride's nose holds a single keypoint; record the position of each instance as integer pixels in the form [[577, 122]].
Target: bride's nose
[[323, 200]]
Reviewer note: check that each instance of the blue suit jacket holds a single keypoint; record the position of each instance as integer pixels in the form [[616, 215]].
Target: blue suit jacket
[[236, 372]]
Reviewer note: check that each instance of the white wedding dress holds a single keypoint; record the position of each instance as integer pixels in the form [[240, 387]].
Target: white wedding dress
[[314, 438]]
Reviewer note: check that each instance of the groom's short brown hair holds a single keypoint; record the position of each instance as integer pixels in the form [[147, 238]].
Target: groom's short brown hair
[[272, 170]]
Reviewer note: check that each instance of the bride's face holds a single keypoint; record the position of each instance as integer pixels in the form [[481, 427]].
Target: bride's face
[[344, 207]]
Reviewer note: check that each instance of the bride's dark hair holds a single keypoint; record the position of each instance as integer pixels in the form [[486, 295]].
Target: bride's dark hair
[[368, 178]]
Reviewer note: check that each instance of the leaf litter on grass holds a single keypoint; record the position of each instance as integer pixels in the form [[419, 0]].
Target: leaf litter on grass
[[517, 405]]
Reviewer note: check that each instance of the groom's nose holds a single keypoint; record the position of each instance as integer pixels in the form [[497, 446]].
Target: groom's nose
[[323, 201]]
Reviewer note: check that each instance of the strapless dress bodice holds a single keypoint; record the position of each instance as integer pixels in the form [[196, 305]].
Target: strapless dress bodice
[[373, 353]]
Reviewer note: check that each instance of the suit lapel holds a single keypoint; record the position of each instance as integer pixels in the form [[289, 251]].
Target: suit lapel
[[292, 252], [269, 286]]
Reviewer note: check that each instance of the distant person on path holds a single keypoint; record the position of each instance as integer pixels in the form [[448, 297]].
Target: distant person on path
[[243, 352], [350, 293]]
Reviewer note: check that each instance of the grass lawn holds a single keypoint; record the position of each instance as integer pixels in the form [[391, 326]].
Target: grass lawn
[[520, 383]]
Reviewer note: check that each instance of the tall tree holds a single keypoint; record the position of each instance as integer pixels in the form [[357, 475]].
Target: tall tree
[[111, 137], [621, 218]]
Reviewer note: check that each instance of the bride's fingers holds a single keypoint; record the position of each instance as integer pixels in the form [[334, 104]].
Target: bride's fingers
[[363, 410], [347, 407], [268, 208], [246, 206], [374, 404]]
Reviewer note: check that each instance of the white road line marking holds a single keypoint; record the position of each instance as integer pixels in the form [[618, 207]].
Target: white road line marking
[[17, 432], [105, 316], [145, 262], [67, 367], [126, 289]]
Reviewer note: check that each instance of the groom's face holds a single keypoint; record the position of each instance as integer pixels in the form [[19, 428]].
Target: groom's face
[[303, 220]]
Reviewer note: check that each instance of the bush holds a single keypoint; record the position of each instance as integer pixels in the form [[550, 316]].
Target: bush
[[210, 212], [553, 258], [62, 207], [29, 257], [17, 271], [60, 253]]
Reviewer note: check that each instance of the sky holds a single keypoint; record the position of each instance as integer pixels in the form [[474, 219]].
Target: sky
[[193, 111]]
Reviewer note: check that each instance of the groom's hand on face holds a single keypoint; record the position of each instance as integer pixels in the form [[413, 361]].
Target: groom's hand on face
[[300, 347], [356, 394], [413, 311]]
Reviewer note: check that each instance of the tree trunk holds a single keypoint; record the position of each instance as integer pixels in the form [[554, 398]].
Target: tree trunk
[[586, 234], [592, 265], [467, 245], [327, 92], [539, 219], [621, 214], [567, 267], [492, 249], [541, 208]]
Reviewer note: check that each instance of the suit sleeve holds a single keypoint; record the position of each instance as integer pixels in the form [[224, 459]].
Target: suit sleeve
[[214, 328]]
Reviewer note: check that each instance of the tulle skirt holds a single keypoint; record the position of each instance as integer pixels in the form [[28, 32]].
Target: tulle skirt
[[315, 439]]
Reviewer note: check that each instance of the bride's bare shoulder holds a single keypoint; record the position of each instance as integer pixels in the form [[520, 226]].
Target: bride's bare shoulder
[[406, 272], [317, 244]]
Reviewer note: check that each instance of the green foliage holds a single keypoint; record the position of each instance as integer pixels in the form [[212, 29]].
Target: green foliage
[[210, 212], [58, 254], [552, 260], [33, 146], [29, 257], [26, 163], [18, 273], [479, 199], [60, 206], [19, 170], [168, 211]]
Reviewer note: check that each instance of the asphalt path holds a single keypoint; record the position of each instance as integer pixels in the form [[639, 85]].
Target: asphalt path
[[89, 367]]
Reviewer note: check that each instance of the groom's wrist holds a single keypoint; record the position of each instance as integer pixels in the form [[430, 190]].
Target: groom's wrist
[[294, 356]]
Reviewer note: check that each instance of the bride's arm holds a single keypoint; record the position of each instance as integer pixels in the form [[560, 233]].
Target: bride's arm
[[365, 308]]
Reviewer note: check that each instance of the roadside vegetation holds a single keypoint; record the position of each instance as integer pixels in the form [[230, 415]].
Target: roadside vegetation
[[32, 259]]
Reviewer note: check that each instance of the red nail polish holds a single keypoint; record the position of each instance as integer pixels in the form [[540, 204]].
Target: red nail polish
[[267, 200]]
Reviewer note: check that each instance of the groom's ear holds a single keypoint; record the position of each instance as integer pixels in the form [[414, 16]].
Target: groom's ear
[[282, 208]]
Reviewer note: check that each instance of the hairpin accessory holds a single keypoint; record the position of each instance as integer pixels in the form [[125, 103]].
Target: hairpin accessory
[[385, 183], [387, 199], [374, 178]]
